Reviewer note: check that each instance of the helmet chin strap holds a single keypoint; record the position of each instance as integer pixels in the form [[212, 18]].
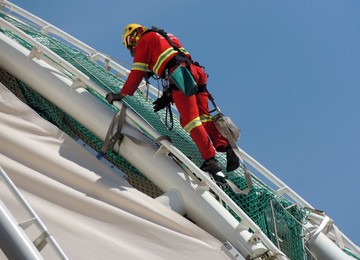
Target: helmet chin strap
[[134, 40]]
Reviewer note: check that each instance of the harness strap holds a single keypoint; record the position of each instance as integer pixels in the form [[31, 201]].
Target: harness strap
[[166, 36], [178, 59]]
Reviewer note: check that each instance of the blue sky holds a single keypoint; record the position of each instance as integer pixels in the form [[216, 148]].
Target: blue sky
[[287, 73]]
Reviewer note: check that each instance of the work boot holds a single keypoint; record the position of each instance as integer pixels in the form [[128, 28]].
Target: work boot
[[211, 166], [232, 159], [219, 178]]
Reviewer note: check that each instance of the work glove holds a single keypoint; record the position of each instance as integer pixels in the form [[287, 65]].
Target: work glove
[[111, 97], [163, 101], [149, 74]]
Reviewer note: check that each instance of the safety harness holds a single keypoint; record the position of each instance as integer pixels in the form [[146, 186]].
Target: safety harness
[[181, 77]]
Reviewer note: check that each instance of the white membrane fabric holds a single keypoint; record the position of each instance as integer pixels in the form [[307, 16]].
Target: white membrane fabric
[[90, 211]]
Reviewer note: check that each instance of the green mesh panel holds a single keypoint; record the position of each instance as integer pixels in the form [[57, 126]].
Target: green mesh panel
[[276, 216], [71, 127]]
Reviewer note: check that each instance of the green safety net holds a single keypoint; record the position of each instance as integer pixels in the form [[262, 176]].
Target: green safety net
[[280, 219]]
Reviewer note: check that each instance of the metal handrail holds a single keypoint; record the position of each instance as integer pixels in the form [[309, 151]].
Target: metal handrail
[[45, 234]]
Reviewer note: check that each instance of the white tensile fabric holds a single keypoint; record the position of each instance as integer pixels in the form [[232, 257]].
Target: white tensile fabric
[[91, 212]]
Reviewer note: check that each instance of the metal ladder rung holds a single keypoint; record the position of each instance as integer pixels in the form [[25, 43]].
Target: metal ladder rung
[[283, 190], [41, 241], [27, 223], [45, 237]]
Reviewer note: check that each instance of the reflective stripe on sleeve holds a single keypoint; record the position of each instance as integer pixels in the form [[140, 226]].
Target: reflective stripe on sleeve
[[139, 66]]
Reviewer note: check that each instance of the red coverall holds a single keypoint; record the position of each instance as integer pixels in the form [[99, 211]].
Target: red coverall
[[152, 53]]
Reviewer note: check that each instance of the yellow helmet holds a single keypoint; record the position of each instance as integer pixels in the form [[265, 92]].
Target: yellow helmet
[[130, 34]]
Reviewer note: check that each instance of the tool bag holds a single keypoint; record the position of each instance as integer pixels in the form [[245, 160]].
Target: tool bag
[[184, 80], [228, 129], [225, 126]]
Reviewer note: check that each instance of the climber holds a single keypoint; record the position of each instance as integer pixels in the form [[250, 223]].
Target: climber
[[161, 53]]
